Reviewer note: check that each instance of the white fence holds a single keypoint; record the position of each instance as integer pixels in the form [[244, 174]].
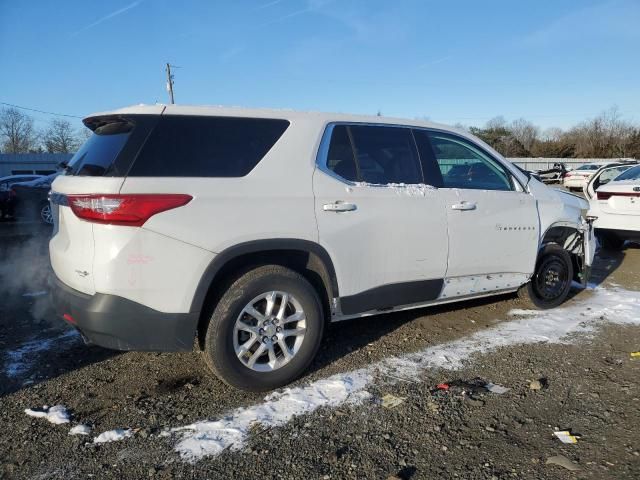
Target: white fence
[[547, 163]]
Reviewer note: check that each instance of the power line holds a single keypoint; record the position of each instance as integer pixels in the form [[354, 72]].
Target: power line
[[39, 111]]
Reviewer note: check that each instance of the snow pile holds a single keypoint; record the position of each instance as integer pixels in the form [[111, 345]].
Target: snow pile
[[21, 359], [554, 326], [57, 414], [113, 435], [80, 430]]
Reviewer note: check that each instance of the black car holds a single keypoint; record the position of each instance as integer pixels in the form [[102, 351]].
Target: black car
[[31, 198], [7, 197]]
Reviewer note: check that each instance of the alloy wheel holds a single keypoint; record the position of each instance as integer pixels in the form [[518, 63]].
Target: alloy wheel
[[269, 331]]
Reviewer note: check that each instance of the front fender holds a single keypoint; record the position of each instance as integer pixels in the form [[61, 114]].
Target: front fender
[[563, 211]]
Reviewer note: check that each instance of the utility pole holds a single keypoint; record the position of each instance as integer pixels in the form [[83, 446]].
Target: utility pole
[[170, 83]]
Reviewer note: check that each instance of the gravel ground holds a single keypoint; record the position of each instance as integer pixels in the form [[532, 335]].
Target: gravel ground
[[588, 386]]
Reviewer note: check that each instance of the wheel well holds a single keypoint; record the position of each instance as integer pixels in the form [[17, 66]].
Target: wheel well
[[569, 238], [308, 264]]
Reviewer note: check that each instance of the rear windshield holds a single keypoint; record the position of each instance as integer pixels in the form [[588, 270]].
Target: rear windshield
[[99, 152], [200, 146], [631, 174]]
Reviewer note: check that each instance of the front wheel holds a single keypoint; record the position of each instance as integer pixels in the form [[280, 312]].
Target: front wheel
[[265, 330], [550, 284]]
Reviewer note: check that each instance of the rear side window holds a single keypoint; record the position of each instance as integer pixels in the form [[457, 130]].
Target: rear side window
[[99, 152], [374, 154], [184, 146], [340, 159]]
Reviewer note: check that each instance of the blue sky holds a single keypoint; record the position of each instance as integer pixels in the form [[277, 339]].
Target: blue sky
[[553, 62]]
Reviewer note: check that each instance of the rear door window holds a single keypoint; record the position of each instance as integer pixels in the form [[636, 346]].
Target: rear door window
[[189, 146], [386, 154], [99, 152], [378, 155]]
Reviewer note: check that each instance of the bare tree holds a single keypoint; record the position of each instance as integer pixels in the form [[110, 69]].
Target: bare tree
[[603, 136], [496, 123], [60, 137], [552, 134], [17, 133], [524, 132]]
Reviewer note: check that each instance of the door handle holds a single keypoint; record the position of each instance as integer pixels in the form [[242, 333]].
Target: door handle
[[339, 207], [464, 206]]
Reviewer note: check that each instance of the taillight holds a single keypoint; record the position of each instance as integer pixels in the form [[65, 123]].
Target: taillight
[[608, 195], [604, 195], [568, 174], [131, 210]]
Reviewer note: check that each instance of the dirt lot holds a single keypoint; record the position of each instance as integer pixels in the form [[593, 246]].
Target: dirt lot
[[588, 386]]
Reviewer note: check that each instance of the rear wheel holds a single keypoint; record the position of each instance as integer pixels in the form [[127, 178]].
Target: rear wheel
[[551, 280], [610, 241], [265, 330]]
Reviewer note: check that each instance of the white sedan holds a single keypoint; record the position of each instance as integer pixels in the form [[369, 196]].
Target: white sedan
[[616, 204], [577, 179]]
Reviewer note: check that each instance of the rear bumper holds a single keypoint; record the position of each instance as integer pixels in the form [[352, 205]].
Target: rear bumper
[[114, 322], [575, 182]]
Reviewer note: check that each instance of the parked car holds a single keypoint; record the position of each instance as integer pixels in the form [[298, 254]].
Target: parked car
[[7, 197], [579, 178], [31, 198], [241, 233], [614, 198]]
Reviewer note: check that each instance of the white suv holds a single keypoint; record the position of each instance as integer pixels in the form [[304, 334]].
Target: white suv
[[241, 233]]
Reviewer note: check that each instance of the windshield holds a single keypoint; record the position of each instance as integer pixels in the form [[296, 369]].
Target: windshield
[[99, 152], [588, 166], [630, 174]]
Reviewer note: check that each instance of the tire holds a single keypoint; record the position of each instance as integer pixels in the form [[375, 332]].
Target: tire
[[610, 241], [551, 281], [224, 340]]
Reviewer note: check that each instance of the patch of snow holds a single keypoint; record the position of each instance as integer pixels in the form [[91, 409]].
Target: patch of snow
[[35, 294], [21, 359], [409, 189], [57, 414], [210, 438], [80, 430], [113, 435], [519, 312]]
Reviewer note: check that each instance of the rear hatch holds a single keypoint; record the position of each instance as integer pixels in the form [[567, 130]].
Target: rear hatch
[[100, 166]]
